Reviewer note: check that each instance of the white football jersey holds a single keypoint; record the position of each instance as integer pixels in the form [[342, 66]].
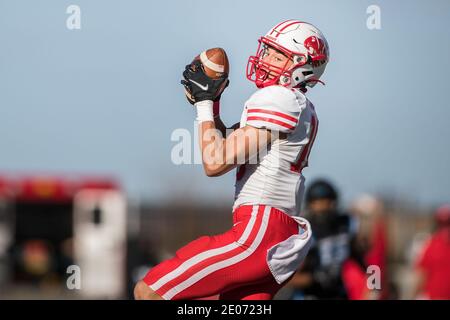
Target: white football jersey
[[275, 178]]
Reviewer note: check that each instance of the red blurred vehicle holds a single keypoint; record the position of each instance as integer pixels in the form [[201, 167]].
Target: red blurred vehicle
[[49, 223]]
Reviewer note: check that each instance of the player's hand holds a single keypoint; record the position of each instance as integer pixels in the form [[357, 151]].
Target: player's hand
[[200, 86]]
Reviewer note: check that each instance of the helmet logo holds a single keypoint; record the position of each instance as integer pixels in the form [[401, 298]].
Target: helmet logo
[[316, 47]]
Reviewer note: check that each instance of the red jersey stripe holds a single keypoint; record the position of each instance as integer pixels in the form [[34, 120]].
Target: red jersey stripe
[[276, 113], [280, 123]]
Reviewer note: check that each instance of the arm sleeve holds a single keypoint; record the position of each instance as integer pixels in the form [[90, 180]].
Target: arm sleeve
[[274, 108]]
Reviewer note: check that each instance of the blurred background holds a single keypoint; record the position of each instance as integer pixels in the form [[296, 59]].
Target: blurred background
[[87, 122]]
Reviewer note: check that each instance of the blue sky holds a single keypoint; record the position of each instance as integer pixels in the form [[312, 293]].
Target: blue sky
[[105, 99]]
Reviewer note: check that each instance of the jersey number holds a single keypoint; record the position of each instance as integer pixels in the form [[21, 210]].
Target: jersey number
[[302, 158]]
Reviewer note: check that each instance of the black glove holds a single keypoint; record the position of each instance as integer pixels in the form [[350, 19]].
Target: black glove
[[219, 94], [200, 86]]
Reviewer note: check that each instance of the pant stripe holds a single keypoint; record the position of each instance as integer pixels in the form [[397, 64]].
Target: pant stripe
[[239, 245], [207, 254], [222, 264]]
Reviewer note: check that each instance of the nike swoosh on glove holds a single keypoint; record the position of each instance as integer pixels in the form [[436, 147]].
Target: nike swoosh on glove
[[200, 86]]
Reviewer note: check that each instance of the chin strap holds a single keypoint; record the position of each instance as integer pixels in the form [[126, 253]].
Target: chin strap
[[301, 87], [316, 80]]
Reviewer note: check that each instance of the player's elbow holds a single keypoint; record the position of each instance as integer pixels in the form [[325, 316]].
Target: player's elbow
[[212, 174], [210, 171], [217, 170]]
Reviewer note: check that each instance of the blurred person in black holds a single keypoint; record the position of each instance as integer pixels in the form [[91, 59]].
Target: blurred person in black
[[319, 277]]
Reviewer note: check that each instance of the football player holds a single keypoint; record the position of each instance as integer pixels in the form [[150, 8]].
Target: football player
[[270, 147]]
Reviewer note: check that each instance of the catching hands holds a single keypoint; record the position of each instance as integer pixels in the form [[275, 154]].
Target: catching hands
[[199, 86]]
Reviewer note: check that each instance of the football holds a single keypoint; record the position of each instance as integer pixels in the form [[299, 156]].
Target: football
[[214, 63]]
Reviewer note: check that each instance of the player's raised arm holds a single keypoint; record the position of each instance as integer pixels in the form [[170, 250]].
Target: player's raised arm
[[214, 63], [219, 154]]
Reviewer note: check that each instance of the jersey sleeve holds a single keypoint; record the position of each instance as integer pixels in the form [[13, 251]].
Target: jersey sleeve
[[274, 108]]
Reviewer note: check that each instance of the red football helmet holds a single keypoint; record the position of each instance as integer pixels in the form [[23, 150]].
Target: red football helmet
[[302, 43]]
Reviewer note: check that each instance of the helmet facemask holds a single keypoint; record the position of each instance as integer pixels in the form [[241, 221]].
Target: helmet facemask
[[265, 74], [305, 70]]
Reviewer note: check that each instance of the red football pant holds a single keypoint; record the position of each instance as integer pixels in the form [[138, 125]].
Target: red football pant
[[232, 264]]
